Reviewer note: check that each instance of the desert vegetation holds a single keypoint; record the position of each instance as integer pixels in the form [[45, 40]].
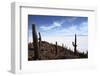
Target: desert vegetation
[[43, 50]]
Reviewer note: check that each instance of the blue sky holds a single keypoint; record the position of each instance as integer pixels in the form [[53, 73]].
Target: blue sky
[[58, 27], [59, 24]]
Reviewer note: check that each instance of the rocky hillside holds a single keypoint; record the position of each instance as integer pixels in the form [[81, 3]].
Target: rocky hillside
[[50, 51]]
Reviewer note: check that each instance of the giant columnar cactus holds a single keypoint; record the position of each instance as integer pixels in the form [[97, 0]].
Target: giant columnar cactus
[[75, 45], [39, 40], [35, 42], [56, 48], [40, 36]]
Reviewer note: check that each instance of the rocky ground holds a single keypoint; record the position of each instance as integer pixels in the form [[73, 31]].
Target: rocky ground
[[50, 51]]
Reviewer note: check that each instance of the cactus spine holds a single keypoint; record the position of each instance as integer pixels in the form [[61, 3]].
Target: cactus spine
[[35, 42], [75, 45]]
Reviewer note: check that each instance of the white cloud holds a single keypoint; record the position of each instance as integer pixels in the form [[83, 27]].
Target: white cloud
[[52, 26], [56, 24], [45, 28]]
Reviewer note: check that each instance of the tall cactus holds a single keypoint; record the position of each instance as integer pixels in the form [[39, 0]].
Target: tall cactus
[[56, 48], [40, 36], [39, 40], [35, 42], [75, 45]]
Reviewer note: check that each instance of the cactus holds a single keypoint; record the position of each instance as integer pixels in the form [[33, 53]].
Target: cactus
[[56, 48], [35, 42], [62, 45], [40, 36], [87, 54], [63, 49], [39, 45], [39, 40], [75, 45]]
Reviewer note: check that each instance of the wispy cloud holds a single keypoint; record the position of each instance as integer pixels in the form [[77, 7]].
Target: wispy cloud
[[55, 24]]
